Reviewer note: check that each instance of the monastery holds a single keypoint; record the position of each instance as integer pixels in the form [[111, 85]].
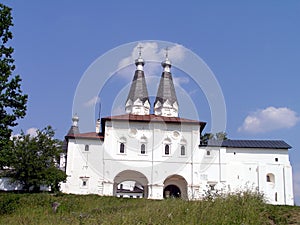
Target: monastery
[[162, 155]]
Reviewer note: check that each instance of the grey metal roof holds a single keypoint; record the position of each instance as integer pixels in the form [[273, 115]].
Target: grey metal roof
[[166, 89], [73, 130], [138, 87], [271, 144]]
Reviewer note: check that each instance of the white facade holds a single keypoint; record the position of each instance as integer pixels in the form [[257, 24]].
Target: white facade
[[96, 164], [162, 153]]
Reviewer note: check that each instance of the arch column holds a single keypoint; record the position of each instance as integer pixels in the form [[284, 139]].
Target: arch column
[[108, 188], [156, 191]]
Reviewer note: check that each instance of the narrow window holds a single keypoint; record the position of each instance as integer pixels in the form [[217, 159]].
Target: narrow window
[[207, 152], [84, 183], [122, 148], [86, 148], [276, 159], [270, 177], [143, 149], [167, 149], [182, 150], [275, 196]]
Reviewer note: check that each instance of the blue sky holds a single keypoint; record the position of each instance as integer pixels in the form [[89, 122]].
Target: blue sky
[[252, 48]]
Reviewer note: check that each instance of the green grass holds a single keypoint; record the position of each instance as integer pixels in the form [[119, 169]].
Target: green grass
[[242, 208]]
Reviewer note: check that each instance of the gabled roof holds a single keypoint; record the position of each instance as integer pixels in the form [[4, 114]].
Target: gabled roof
[[166, 89], [152, 118], [270, 144], [138, 89]]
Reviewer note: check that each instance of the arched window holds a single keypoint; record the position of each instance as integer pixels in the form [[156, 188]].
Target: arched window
[[143, 149], [167, 149], [207, 152], [182, 150], [182, 147], [143, 143], [86, 148], [270, 178], [122, 148]]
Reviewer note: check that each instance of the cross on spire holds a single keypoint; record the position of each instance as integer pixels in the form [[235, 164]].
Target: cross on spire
[[167, 52], [140, 50]]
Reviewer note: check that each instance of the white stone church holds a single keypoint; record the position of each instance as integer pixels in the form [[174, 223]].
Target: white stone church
[[163, 156]]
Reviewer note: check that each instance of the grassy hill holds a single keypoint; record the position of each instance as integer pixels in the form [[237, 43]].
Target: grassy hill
[[242, 208]]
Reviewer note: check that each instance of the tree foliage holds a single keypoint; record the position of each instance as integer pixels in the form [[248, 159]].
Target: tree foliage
[[34, 160], [220, 136], [12, 101]]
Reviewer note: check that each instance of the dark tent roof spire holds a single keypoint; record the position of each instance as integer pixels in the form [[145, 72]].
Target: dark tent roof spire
[[138, 100], [166, 103]]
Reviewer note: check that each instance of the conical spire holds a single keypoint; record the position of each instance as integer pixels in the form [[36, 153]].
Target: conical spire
[[138, 100], [166, 103], [74, 128]]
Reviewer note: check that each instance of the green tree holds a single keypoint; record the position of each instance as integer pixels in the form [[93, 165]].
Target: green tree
[[12, 101], [220, 136], [34, 160]]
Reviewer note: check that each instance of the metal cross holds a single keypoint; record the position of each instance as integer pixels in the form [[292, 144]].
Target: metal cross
[[140, 50], [167, 49]]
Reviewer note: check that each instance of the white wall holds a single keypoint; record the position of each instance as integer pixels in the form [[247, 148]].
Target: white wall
[[228, 168]]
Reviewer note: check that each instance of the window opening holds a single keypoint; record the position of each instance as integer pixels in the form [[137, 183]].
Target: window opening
[[143, 149], [182, 150], [122, 148], [167, 149]]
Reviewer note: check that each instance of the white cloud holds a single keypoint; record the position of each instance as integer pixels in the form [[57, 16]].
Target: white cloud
[[178, 81], [31, 131], [93, 101], [269, 119], [151, 52]]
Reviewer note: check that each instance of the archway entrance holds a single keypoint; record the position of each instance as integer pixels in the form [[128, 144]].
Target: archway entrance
[[131, 184], [175, 186], [172, 191]]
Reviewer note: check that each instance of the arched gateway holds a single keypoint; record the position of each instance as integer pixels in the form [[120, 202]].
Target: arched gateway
[[175, 186], [139, 184]]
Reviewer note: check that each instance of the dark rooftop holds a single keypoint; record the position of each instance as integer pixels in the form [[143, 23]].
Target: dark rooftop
[[271, 144], [166, 89], [138, 87], [89, 135], [154, 118]]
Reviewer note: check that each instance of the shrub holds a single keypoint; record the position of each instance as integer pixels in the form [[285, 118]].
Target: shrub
[[8, 203]]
